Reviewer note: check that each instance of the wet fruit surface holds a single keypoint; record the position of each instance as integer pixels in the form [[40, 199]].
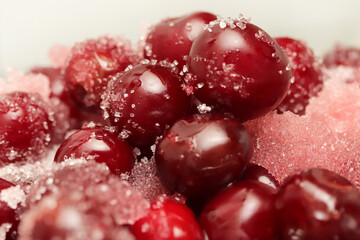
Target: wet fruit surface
[[244, 211], [25, 126], [98, 144], [318, 204], [144, 101], [307, 77], [239, 68], [171, 39], [167, 220], [258, 173], [8, 218], [202, 154]]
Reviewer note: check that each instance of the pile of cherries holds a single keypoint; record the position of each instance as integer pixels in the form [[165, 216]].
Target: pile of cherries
[[181, 100]]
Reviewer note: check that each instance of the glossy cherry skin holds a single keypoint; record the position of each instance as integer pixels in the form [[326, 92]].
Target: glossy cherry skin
[[171, 39], [202, 154], [307, 77], [258, 173], [343, 56], [90, 63], [98, 144], [144, 101], [238, 68], [318, 204], [7, 214], [244, 211], [167, 220], [25, 126]]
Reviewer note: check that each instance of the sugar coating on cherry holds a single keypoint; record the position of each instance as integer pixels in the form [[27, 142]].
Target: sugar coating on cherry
[[167, 220], [318, 204], [171, 39], [145, 101], [8, 218], [237, 67], [245, 211], [99, 144], [201, 154], [26, 125], [343, 56], [307, 78], [89, 65]]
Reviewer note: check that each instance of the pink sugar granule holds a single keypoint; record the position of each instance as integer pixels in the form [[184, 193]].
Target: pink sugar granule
[[338, 104], [285, 143], [58, 55], [143, 178], [30, 82]]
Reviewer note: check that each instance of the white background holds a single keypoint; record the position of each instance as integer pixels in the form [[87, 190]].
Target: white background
[[29, 27]]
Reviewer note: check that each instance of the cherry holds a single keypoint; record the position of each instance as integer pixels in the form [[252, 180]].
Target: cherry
[[318, 204], [167, 220], [90, 63], [171, 39], [26, 124], [244, 211], [258, 173], [202, 154], [98, 144], [307, 78], [238, 68], [8, 214], [343, 56], [144, 101]]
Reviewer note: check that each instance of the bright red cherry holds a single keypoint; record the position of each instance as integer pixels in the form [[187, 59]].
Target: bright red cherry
[[144, 101], [202, 154], [245, 211], [167, 220], [318, 204], [171, 39], [7, 214], [90, 63], [238, 68], [307, 77], [258, 173], [98, 144], [343, 56], [26, 124]]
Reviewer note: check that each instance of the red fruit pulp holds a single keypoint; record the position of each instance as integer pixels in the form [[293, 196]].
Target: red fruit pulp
[[239, 68], [202, 154], [100, 145], [144, 101], [167, 220], [307, 76], [90, 63], [7, 214], [26, 125], [318, 204], [343, 56], [171, 39], [245, 211]]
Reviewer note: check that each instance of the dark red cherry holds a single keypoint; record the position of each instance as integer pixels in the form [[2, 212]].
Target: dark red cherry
[[90, 63], [202, 154], [307, 78], [258, 173], [8, 219], [144, 101], [167, 220], [238, 68], [343, 56], [26, 124], [98, 144], [244, 211], [318, 204], [171, 39]]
